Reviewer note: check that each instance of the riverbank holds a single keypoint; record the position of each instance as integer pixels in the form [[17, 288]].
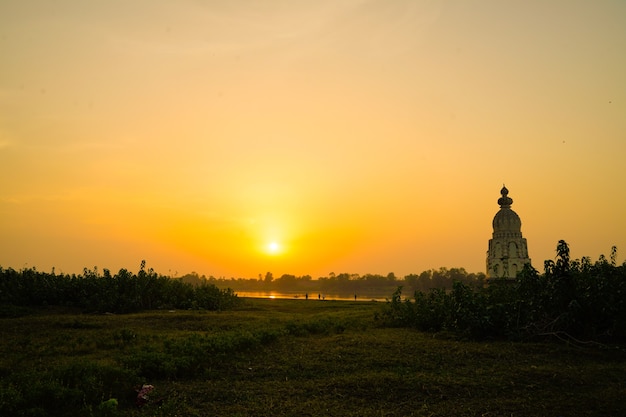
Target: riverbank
[[285, 357]]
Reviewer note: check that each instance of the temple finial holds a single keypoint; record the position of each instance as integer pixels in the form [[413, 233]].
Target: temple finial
[[505, 201]]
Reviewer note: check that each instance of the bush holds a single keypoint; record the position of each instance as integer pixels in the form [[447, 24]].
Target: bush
[[575, 300], [186, 357], [93, 291], [63, 390]]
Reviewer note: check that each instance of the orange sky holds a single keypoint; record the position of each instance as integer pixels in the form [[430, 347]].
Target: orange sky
[[359, 136]]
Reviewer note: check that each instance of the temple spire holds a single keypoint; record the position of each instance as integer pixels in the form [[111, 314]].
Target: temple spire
[[505, 201]]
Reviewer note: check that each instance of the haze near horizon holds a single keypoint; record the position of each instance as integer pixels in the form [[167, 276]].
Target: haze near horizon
[[232, 138]]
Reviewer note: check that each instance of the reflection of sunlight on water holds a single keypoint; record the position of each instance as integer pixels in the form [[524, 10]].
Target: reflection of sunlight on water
[[275, 295]]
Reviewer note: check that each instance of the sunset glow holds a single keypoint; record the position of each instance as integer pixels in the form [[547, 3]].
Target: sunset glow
[[234, 138], [273, 248]]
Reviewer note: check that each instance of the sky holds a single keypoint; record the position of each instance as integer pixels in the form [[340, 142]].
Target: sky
[[234, 138]]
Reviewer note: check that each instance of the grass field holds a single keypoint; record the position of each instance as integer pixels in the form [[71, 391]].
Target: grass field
[[290, 358]]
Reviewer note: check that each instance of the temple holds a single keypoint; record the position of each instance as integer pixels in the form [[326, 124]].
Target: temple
[[508, 251]]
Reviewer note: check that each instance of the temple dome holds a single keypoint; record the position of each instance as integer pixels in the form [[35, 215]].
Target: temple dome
[[506, 220]]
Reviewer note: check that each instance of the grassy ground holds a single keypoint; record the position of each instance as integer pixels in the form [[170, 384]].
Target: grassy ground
[[291, 358]]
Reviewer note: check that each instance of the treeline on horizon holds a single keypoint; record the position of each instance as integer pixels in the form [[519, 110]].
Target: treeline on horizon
[[345, 283], [102, 292], [127, 292]]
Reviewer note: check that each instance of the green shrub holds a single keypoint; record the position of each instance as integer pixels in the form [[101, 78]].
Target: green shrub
[[152, 364], [185, 357], [63, 390], [574, 300], [93, 291]]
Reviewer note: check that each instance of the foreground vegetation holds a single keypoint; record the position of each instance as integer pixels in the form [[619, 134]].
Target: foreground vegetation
[[195, 350], [289, 358], [123, 292], [573, 300]]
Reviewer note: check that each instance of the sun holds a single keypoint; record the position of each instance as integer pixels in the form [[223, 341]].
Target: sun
[[273, 248]]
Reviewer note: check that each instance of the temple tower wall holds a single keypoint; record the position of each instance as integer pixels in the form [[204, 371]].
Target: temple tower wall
[[508, 251]]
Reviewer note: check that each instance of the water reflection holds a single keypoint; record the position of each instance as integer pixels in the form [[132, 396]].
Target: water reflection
[[307, 296]]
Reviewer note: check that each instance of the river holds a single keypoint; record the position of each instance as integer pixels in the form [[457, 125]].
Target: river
[[315, 297]]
